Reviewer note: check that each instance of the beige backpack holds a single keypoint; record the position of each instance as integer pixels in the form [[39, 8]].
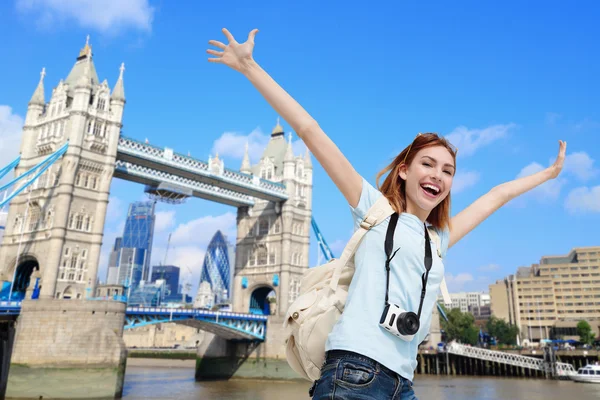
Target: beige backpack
[[323, 292]]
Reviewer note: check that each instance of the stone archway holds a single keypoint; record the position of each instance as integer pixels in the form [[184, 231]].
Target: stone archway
[[27, 265], [69, 293], [259, 303]]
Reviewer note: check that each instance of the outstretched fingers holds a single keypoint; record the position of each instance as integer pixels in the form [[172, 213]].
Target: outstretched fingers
[[252, 35], [218, 44], [228, 35]]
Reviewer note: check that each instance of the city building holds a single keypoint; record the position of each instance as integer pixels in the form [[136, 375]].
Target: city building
[[481, 312], [464, 300], [547, 300], [217, 270], [129, 260], [170, 274], [112, 275]]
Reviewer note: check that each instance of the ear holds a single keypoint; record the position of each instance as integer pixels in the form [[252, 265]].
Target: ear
[[402, 172]]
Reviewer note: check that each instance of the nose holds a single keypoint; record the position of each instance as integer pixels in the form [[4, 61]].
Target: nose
[[437, 175]]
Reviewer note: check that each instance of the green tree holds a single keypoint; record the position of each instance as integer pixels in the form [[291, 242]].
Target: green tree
[[504, 332], [460, 327], [584, 330]]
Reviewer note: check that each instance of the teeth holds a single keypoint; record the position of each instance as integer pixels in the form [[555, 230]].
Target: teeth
[[431, 187]]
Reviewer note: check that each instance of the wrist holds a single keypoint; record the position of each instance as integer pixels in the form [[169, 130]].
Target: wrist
[[248, 66]]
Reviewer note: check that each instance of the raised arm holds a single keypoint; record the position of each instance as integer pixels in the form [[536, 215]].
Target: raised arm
[[465, 221], [239, 57]]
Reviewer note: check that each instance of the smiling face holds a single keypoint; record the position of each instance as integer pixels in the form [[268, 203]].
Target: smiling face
[[428, 180]]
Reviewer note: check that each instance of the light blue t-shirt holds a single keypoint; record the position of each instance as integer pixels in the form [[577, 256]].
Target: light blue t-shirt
[[358, 328]]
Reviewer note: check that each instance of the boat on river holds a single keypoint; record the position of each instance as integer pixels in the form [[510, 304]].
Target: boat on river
[[588, 374]]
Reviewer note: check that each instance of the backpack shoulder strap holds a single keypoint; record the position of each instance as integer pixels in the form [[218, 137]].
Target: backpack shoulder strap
[[443, 287], [378, 212]]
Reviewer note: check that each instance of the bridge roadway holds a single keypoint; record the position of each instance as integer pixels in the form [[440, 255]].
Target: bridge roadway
[[228, 325], [151, 165]]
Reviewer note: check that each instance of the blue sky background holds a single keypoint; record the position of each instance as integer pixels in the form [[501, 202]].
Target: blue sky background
[[504, 81]]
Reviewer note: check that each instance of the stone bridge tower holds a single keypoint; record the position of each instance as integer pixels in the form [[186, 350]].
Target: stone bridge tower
[[273, 239], [55, 227]]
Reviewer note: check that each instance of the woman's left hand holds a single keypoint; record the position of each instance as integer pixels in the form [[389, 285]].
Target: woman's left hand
[[560, 159]]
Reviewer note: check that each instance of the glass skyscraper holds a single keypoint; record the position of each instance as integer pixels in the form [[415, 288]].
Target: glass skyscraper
[[136, 244], [218, 267]]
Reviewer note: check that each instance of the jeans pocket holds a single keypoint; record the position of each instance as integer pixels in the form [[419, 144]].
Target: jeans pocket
[[356, 374]]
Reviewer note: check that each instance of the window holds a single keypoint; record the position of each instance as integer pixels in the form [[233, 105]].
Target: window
[[77, 179], [101, 104], [88, 224], [272, 258], [263, 226], [251, 260], [261, 256], [277, 227], [89, 127], [94, 183], [86, 180], [34, 218], [73, 264], [71, 221], [97, 128], [79, 222]]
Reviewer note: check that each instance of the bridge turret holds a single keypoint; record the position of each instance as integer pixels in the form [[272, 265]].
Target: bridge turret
[[37, 102], [117, 99], [35, 109], [288, 160], [246, 168]]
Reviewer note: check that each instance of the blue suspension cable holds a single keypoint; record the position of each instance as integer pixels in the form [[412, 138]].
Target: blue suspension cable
[[44, 165]]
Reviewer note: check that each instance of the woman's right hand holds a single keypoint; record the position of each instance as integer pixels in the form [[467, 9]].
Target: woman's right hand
[[235, 55]]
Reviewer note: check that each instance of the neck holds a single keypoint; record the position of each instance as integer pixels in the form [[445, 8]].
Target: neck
[[412, 208]]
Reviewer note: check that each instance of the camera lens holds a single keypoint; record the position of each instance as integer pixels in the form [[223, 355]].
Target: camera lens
[[408, 323]]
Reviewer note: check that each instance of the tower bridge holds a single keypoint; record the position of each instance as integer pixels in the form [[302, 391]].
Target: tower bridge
[[55, 222], [55, 216]]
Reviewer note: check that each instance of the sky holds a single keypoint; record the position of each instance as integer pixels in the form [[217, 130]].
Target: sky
[[504, 82]]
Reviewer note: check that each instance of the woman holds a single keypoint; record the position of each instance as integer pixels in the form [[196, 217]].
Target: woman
[[363, 360]]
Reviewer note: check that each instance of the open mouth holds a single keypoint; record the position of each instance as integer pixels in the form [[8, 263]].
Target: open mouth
[[430, 190]]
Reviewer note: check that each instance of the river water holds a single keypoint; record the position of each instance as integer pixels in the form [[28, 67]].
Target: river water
[[178, 383]]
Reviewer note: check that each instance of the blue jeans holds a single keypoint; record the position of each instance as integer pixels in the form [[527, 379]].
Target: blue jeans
[[347, 376]]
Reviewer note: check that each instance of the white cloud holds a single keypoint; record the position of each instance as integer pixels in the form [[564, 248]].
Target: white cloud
[[456, 283], [464, 180], [489, 268], [11, 126], [468, 141], [583, 199], [231, 144], [106, 16], [581, 165], [200, 231], [549, 190], [189, 242], [164, 220]]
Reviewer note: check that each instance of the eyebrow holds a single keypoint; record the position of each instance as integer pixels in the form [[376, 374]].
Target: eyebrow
[[435, 161]]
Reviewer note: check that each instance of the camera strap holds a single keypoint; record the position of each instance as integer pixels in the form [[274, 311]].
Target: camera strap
[[389, 246]]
